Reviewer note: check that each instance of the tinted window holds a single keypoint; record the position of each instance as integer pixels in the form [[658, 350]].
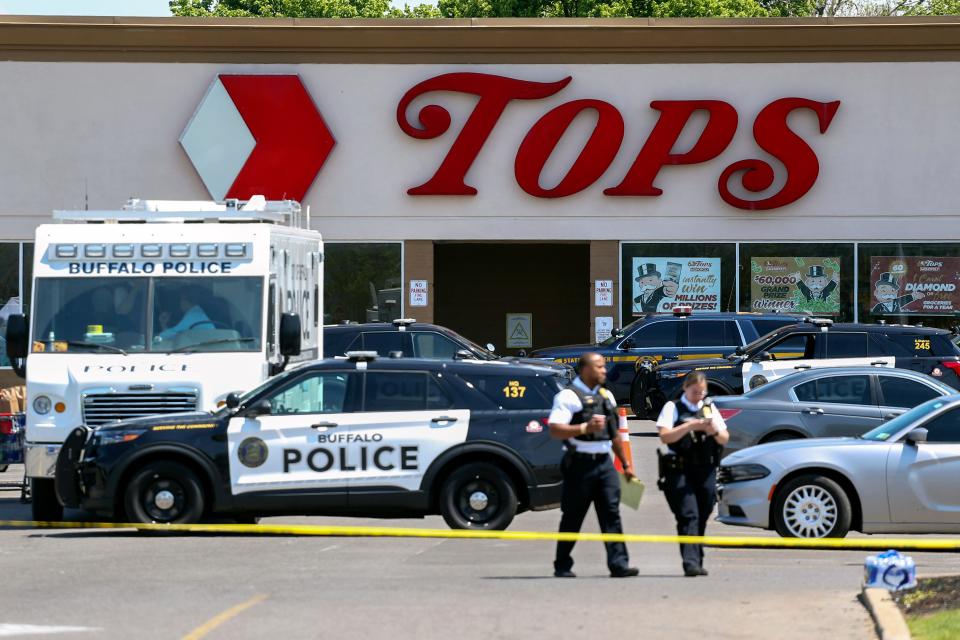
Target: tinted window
[[901, 392], [764, 327], [919, 345], [383, 342], [657, 334], [427, 344], [944, 428], [846, 345], [713, 333], [322, 392], [795, 347], [402, 391], [514, 392], [836, 389], [337, 343], [844, 390]]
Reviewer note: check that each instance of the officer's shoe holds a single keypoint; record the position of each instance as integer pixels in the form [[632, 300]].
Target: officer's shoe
[[624, 572], [566, 573], [692, 571]]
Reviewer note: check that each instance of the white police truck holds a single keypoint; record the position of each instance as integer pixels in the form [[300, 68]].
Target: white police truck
[[161, 307]]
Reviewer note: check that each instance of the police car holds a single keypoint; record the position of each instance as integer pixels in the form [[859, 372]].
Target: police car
[[416, 340], [360, 435], [667, 337], [816, 342]]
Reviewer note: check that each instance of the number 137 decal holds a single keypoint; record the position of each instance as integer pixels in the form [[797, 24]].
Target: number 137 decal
[[514, 389]]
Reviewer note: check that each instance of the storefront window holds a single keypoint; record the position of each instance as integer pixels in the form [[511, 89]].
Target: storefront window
[[362, 282], [815, 278], [15, 274], [909, 283], [657, 277]]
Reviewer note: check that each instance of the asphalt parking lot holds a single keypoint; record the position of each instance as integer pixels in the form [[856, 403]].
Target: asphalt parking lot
[[74, 583]]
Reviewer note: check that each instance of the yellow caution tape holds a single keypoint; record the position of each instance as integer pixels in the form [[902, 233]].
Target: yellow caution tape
[[903, 544]]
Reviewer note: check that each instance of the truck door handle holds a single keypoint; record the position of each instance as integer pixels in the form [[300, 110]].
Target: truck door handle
[[323, 425], [890, 416], [444, 419], [876, 362], [666, 358], [814, 411], [801, 367]]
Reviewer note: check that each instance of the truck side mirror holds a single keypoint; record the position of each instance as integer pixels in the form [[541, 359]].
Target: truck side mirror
[[17, 337], [628, 344], [463, 354], [916, 436], [290, 334], [764, 356], [260, 408]]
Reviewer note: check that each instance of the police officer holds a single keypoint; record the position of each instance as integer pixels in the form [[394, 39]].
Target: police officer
[[695, 433], [584, 416]]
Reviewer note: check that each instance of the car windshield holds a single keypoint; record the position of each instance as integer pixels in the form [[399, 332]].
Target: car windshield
[[130, 315], [616, 334], [891, 427]]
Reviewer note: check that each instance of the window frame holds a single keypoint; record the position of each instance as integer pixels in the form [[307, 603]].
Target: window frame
[[726, 322], [882, 398], [680, 336], [347, 400], [429, 376], [874, 397]]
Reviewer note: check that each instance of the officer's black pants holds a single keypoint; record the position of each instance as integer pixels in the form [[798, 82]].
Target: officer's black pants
[[691, 494], [590, 480]]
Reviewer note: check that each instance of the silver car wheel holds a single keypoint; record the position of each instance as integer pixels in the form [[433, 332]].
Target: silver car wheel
[[810, 511]]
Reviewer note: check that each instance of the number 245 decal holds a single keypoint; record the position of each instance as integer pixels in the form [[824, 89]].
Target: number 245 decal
[[921, 344], [514, 389]]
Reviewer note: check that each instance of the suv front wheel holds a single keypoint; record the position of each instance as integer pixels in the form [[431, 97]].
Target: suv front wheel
[[478, 495]]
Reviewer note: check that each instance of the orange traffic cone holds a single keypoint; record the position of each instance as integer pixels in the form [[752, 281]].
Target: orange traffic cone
[[624, 438]]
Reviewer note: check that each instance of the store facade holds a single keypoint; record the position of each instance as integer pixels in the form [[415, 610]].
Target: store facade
[[526, 183]]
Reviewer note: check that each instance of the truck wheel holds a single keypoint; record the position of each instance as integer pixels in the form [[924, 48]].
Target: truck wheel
[[45, 505], [812, 506], [164, 493], [478, 495]]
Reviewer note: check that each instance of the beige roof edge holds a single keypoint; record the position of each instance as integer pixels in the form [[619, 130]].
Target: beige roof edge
[[472, 41]]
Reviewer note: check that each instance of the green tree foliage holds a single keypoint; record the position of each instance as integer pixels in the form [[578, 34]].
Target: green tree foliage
[[563, 8]]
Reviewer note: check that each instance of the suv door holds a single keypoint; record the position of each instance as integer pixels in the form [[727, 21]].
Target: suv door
[[790, 353], [922, 478], [838, 406], [711, 338], [654, 341], [852, 349], [408, 420], [297, 439]]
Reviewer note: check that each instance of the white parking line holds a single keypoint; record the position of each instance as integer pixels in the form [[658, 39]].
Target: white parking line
[[11, 630]]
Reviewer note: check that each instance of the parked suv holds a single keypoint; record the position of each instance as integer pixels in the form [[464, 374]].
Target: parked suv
[[814, 343], [659, 338]]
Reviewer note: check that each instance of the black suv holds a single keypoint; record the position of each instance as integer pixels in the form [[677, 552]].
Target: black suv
[[814, 343], [415, 339], [667, 337], [361, 435]]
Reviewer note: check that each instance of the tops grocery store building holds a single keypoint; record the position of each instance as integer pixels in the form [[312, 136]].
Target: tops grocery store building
[[465, 171]]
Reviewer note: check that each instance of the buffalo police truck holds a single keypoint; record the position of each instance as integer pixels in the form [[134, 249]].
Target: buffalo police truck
[[161, 307]]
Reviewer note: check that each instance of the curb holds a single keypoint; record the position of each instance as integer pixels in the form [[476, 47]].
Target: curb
[[889, 621]]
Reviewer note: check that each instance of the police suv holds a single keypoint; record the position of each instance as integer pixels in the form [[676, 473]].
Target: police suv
[[360, 435], [816, 342], [667, 337]]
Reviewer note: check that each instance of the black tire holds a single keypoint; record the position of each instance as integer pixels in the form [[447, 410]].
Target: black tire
[[143, 504], [497, 491], [812, 506], [45, 505], [780, 437]]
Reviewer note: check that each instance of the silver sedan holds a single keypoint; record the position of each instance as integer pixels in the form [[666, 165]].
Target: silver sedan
[[819, 403], [898, 478]]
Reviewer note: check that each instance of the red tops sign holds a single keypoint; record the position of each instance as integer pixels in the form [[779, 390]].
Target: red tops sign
[[770, 130]]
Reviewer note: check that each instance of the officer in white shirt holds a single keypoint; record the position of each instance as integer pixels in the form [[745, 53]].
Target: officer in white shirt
[[584, 416], [694, 432]]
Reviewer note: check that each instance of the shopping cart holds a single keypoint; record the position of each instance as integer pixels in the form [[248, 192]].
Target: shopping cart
[[11, 451]]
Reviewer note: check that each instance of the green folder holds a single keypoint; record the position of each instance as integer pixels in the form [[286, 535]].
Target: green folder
[[631, 492]]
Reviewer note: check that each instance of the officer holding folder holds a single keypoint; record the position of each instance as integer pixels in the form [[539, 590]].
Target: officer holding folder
[[584, 416]]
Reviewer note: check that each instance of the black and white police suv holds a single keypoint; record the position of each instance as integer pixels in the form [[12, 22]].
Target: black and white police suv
[[361, 435]]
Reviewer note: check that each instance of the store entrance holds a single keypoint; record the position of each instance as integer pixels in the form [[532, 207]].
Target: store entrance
[[478, 285]]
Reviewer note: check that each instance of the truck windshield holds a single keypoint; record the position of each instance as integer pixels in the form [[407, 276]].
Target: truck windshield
[[128, 315]]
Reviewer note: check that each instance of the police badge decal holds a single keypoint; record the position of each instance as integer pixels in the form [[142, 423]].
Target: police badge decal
[[252, 452]]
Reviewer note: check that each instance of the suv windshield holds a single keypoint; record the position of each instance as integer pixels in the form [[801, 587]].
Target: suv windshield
[[147, 314], [891, 427]]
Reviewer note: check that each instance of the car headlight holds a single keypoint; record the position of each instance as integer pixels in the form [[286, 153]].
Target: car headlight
[[116, 436], [42, 404], [743, 472]]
